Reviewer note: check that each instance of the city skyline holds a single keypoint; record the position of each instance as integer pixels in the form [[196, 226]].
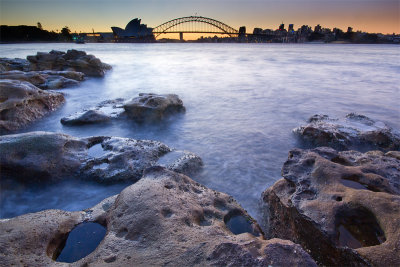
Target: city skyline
[[377, 16]]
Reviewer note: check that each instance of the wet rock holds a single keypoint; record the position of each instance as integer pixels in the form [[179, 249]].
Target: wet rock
[[22, 103], [7, 64], [44, 79], [354, 131], [153, 107], [45, 156], [87, 117], [344, 207], [73, 75], [165, 219], [181, 161], [34, 78], [103, 112], [72, 60]]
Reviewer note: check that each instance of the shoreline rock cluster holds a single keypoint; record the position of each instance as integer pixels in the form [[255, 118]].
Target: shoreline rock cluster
[[23, 98], [341, 206]]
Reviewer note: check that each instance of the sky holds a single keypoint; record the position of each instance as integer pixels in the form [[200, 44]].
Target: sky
[[377, 16]]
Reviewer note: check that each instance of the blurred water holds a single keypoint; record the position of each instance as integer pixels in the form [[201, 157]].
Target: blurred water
[[242, 102]]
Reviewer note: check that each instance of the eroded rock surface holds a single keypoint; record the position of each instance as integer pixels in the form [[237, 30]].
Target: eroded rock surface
[[153, 107], [165, 219], [73, 60], [145, 108], [351, 132], [103, 112], [45, 79], [45, 156], [342, 206], [22, 103], [7, 64]]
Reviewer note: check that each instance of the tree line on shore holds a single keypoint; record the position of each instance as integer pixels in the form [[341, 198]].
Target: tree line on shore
[[24, 33]]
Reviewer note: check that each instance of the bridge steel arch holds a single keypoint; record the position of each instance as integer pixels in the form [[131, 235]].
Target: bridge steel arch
[[167, 26]]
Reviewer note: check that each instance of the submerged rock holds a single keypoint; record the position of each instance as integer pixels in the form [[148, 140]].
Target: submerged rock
[[22, 103], [344, 207], [165, 219], [351, 132], [72, 60], [153, 107], [45, 156]]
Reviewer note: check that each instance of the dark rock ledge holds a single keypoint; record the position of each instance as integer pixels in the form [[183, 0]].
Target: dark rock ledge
[[46, 156], [165, 219]]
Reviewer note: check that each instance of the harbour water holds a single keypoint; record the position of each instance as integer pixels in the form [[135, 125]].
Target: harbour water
[[242, 102]]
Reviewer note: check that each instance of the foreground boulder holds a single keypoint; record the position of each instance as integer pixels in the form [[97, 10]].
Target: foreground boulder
[[165, 219], [45, 79], [354, 131], [45, 156], [22, 103], [153, 107], [344, 207], [73, 60]]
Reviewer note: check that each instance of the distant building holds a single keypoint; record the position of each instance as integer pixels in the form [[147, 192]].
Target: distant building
[[349, 29], [257, 31], [282, 27], [318, 29], [133, 30], [290, 29]]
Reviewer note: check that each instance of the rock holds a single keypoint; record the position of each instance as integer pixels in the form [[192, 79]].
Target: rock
[[344, 207], [8, 64], [153, 107], [181, 161], [58, 82], [34, 78], [165, 219], [103, 112], [22, 103], [73, 75], [73, 60], [87, 117], [41, 79], [45, 156], [352, 132]]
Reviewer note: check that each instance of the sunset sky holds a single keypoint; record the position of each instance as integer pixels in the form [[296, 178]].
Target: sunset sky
[[84, 15]]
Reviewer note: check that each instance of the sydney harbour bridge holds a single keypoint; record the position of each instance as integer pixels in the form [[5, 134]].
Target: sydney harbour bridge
[[194, 24], [191, 24]]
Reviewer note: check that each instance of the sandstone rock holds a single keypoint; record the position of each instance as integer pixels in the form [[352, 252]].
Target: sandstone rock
[[105, 111], [73, 75], [153, 107], [34, 78], [349, 133], [72, 60], [42, 80], [7, 64], [87, 117], [45, 156], [22, 103], [165, 219], [342, 206]]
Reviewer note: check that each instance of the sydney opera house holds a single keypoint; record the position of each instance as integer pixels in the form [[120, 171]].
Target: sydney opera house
[[133, 31]]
